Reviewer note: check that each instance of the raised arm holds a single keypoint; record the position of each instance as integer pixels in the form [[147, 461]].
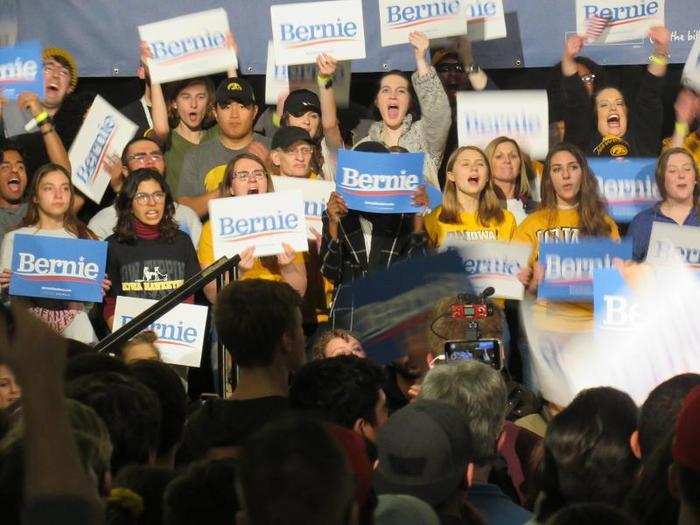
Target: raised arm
[[159, 110], [687, 106], [477, 76], [326, 67], [658, 64], [578, 115], [55, 149]]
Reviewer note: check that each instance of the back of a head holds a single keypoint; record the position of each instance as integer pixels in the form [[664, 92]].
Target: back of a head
[[251, 317], [587, 513], [402, 509], [479, 393], [205, 493], [587, 457], [93, 363], [148, 483], [293, 472], [660, 410], [341, 389], [130, 410], [166, 384], [686, 455]]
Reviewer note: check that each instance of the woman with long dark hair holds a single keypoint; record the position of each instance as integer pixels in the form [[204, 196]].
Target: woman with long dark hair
[[148, 256], [470, 209], [677, 179], [50, 213], [396, 105]]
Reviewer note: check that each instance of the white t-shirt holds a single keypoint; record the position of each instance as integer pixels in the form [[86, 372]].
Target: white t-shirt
[[80, 327], [104, 221]]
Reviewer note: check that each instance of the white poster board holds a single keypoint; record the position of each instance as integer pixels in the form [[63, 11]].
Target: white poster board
[[104, 132], [398, 18], [522, 115], [316, 194], [628, 19], [301, 32], [180, 332], [493, 263], [283, 79], [672, 243], [188, 46], [264, 221], [691, 71], [486, 19]]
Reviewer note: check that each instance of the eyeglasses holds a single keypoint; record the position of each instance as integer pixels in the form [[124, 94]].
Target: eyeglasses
[[143, 157], [588, 79], [59, 70], [306, 151], [145, 198], [448, 67], [245, 176]]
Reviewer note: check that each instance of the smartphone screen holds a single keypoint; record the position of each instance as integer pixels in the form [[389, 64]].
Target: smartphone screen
[[487, 351]]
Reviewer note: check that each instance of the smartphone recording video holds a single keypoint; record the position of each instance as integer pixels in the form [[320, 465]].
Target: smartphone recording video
[[488, 351]]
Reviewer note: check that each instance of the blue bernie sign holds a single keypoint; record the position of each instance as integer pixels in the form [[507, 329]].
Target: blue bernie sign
[[628, 184], [58, 268], [21, 69], [379, 182], [568, 268]]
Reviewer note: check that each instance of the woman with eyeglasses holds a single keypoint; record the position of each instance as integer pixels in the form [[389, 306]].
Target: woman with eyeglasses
[[50, 214], [613, 129], [148, 255], [246, 175], [395, 103]]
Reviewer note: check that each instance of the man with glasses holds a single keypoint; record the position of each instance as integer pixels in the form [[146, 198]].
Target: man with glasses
[[140, 153], [203, 168], [292, 148]]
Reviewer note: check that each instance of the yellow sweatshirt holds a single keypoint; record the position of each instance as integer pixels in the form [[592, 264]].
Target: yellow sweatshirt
[[469, 228]]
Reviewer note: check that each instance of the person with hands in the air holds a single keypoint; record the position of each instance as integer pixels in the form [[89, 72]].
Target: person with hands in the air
[[687, 109], [612, 127], [470, 209], [50, 213], [356, 243], [245, 175], [397, 125]]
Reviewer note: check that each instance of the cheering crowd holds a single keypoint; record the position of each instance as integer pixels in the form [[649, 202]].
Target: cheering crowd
[[88, 438]]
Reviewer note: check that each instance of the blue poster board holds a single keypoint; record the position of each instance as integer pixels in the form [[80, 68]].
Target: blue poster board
[[21, 69], [58, 268]]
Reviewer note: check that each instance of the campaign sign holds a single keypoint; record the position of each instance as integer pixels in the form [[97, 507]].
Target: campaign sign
[[691, 71], [264, 221], [58, 268], [568, 268], [398, 18], [188, 46], [493, 263], [21, 69], [283, 79], [628, 184], [379, 182], [616, 309], [316, 194], [301, 31], [104, 132], [522, 115], [627, 19], [180, 331], [486, 19], [672, 243]]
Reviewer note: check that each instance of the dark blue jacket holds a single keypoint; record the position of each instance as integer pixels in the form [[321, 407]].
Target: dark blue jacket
[[640, 228]]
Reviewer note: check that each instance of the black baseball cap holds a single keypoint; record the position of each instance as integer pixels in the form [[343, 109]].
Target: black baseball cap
[[236, 90], [300, 101], [288, 135]]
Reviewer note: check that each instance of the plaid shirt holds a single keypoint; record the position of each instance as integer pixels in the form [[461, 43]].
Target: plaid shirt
[[345, 259]]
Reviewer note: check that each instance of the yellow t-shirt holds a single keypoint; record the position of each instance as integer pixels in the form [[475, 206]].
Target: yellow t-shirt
[[468, 229], [563, 227], [263, 268]]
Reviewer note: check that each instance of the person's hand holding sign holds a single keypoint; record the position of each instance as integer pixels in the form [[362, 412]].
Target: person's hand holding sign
[[247, 259], [232, 44], [30, 101], [5, 276], [286, 258], [419, 200], [336, 210]]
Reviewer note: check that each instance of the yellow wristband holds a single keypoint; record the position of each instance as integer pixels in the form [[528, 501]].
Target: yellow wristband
[[275, 119], [323, 78], [681, 128], [41, 117], [658, 59]]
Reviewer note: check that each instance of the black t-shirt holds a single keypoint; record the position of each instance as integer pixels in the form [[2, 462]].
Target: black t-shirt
[[135, 113], [229, 423], [150, 269]]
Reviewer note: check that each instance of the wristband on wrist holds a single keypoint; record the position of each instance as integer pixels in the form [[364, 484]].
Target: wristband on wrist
[[681, 128], [656, 58], [324, 81], [41, 118]]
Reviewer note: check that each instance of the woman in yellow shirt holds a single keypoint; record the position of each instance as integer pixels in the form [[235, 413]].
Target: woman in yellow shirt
[[246, 175], [470, 209]]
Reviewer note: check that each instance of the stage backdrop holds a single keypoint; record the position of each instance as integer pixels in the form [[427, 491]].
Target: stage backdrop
[[103, 35]]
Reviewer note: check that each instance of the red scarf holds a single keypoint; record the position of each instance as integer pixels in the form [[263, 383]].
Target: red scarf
[[146, 231]]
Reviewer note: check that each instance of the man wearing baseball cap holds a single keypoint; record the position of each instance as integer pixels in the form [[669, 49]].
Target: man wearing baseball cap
[[684, 473], [292, 148], [426, 450], [203, 168]]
